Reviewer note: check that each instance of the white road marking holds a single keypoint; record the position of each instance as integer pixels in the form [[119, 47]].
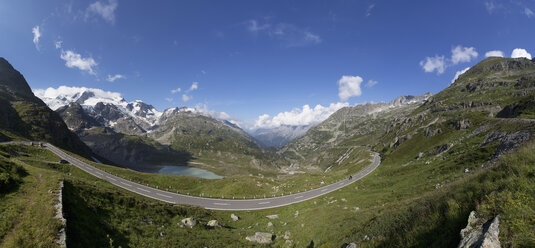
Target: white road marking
[[98, 173], [127, 184], [262, 203], [297, 197], [142, 189], [221, 204], [111, 178], [164, 195], [323, 190]]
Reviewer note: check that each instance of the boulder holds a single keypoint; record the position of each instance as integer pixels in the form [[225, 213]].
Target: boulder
[[234, 217], [350, 245], [273, 216], [480, 233], [189, 222], [261, 238], [213, 224], [269, 224]]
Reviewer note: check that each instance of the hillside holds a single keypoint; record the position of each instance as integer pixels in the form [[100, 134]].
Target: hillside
[[336, 137], [210, 139], [24, 116]]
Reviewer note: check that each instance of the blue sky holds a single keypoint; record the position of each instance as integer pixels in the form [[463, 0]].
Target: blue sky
[[251, 58]]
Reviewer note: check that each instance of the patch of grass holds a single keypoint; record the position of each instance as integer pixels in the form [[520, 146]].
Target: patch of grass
[[27, 212]]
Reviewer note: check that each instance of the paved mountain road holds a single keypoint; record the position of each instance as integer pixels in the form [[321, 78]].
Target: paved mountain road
[[211, 203]]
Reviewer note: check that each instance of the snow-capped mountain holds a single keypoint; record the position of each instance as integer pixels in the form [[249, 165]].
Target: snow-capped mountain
[[107, 107], [113, 111]]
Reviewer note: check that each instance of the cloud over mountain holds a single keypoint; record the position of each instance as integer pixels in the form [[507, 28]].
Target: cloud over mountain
[[299, 116]]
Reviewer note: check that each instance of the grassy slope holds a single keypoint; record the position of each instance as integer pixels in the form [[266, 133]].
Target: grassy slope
[[397, 206], [27, 210]]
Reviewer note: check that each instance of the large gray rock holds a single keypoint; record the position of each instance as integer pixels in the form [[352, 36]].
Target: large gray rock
[[508, 141], [261, 238], [189, 222], [480, 233]]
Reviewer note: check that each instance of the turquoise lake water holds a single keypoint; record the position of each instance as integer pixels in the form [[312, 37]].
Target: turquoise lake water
[[188, 171]]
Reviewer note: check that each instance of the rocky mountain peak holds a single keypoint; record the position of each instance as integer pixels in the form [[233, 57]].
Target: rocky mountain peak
[[13, 81], [403, 100]]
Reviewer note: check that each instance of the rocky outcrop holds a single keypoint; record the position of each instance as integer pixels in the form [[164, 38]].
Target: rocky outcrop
[[480, 233], [515, 109], [261, 238], [508, 141], [461, 124], [431, 131]]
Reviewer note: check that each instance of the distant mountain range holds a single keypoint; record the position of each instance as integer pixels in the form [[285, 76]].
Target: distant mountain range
[[281, 135], [125, 132]]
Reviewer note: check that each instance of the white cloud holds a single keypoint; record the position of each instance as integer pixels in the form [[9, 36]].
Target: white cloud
[[528, 12], [299, 116], [462, 54], [36, 35], [459, 54], [459, 73], [288, 34], [431, 64], [58, 44], [349, 86], [169, 99], [177, 90], [494, 53], [490, 6], [312, 38], [73, 59], [371, 83], [186, 98], [111, 78], [194, 86], [252, 26], [369, 10], [104, 10], [520, 53], [203, 109]]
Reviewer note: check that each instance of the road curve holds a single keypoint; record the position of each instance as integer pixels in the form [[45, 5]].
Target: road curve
[[212, 203]]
